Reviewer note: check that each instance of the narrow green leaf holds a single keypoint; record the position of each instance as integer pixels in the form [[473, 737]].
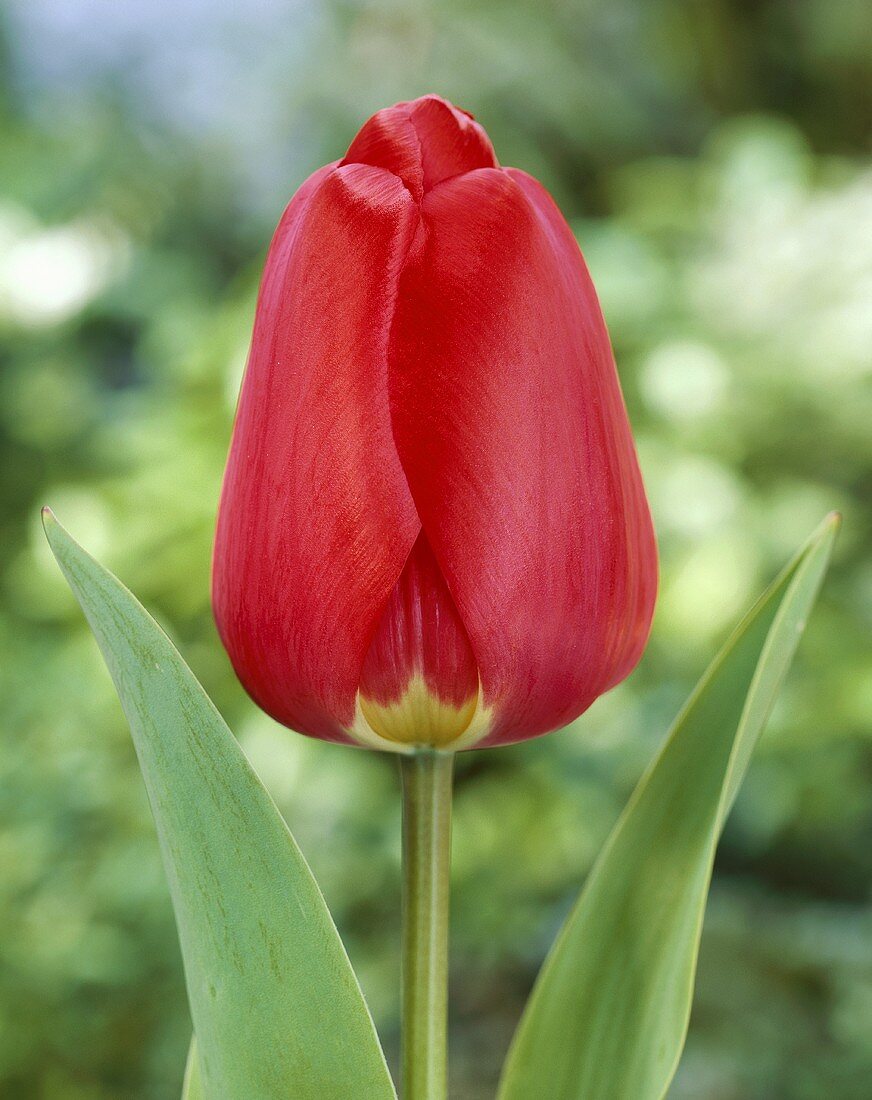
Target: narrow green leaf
[[608, 1016], [276, 1007]]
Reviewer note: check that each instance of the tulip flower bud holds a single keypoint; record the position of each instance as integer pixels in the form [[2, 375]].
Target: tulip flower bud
[[433, 529]]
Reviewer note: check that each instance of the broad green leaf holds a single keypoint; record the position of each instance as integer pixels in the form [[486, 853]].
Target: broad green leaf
[[608, 1016], [276, 1007]]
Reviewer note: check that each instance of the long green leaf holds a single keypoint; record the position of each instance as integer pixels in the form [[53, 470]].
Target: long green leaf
[[276, 1007], [608, 1016]]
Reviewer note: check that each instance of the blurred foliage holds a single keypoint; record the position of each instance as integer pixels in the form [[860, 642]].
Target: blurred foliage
[[710, 155]]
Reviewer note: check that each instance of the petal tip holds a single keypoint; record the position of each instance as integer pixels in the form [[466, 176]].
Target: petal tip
[[423, 141]]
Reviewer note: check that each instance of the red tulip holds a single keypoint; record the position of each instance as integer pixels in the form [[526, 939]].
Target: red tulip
[[433, 528]]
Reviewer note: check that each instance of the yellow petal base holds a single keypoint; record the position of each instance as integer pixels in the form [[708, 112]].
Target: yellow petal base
[[419, 718]]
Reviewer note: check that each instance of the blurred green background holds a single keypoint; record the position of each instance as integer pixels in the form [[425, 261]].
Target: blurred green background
[[710, 156]]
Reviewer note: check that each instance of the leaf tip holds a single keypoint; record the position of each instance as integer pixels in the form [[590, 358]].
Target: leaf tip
[[54, 531], [828, 530], [49, 524]]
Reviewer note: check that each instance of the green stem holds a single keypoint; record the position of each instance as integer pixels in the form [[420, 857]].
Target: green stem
[[426, 878]]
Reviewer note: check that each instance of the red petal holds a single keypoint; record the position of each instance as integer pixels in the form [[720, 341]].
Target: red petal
[[513, 435], [423, 142], [316, 520]]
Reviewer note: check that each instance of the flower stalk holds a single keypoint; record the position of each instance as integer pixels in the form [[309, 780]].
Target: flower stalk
[[427, 790]]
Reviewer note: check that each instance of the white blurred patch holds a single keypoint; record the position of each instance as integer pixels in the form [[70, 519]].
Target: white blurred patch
[[710, 589], [683, 380], [695, 496], [790, 261], [50, 275]]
